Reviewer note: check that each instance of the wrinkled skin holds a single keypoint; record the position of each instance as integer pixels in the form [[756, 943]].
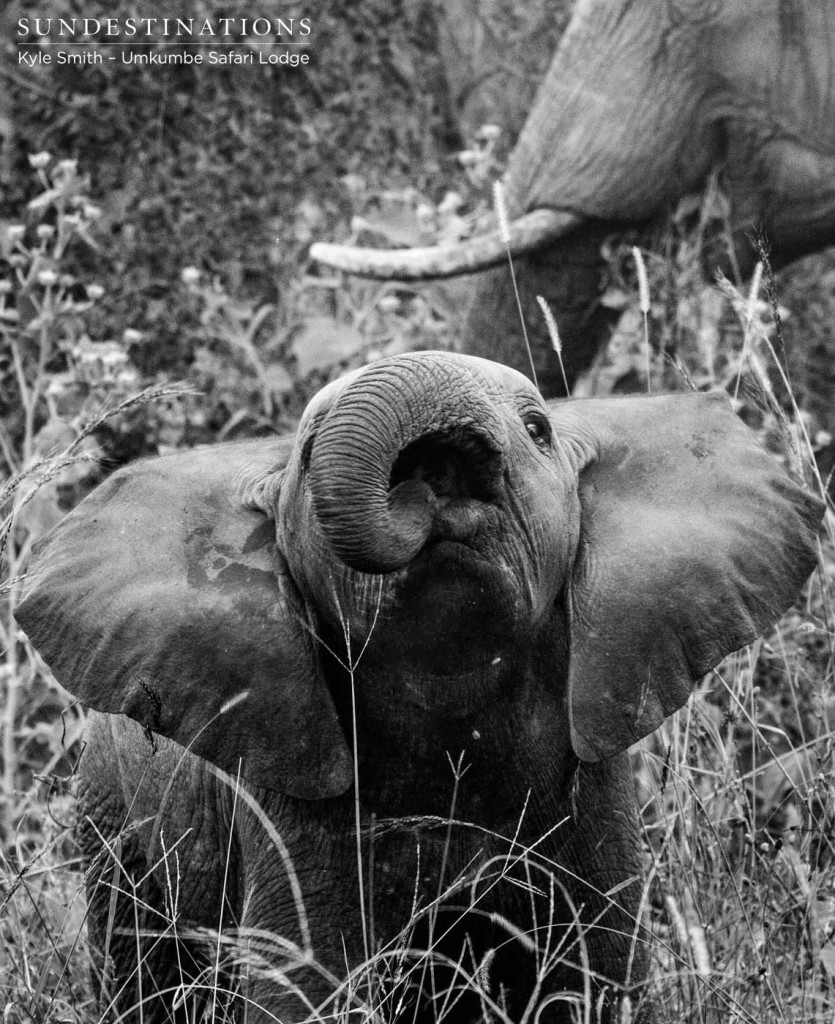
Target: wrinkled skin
[[643, 99], [486, 599]]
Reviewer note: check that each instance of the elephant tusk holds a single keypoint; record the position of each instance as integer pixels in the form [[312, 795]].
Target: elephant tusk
[[526, 233]]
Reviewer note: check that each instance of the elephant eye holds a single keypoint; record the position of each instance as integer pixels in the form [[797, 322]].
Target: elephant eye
[[539, 429]]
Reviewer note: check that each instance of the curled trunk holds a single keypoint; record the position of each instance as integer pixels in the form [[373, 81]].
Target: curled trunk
[[396, 446]]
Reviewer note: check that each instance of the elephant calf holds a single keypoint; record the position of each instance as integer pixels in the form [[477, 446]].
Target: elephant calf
[[366, 692]]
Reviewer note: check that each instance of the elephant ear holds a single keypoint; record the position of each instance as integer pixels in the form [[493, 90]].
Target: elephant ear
[[693, 542], [162, 597]]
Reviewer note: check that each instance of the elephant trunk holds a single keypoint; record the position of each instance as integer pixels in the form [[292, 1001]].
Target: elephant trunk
[[407, 452]]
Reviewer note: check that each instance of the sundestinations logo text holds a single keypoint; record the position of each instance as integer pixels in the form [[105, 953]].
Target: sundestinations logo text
[[156, 41], [148, 29]]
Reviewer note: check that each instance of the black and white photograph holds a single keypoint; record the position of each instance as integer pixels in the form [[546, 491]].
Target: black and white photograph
[[417, 550]]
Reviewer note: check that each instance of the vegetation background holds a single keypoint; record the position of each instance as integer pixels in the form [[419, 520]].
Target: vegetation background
[[154, 227]]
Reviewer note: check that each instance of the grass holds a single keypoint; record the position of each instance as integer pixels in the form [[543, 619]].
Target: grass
[[738, 826], [735, 789]]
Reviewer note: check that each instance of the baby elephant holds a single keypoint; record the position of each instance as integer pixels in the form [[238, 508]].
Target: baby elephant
[[361, 696]]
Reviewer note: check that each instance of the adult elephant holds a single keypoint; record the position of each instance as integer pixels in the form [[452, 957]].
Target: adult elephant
[[367, 691], [642, 100]]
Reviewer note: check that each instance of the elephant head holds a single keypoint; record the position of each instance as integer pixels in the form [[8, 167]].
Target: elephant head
[[433, 509], [641, 102]]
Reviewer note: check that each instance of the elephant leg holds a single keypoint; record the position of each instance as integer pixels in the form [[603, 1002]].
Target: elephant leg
[[603, 856], [154, 890], [568, 276], [139, 959]]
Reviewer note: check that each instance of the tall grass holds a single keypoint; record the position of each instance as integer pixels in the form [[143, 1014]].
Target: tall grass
[[736, 788]]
